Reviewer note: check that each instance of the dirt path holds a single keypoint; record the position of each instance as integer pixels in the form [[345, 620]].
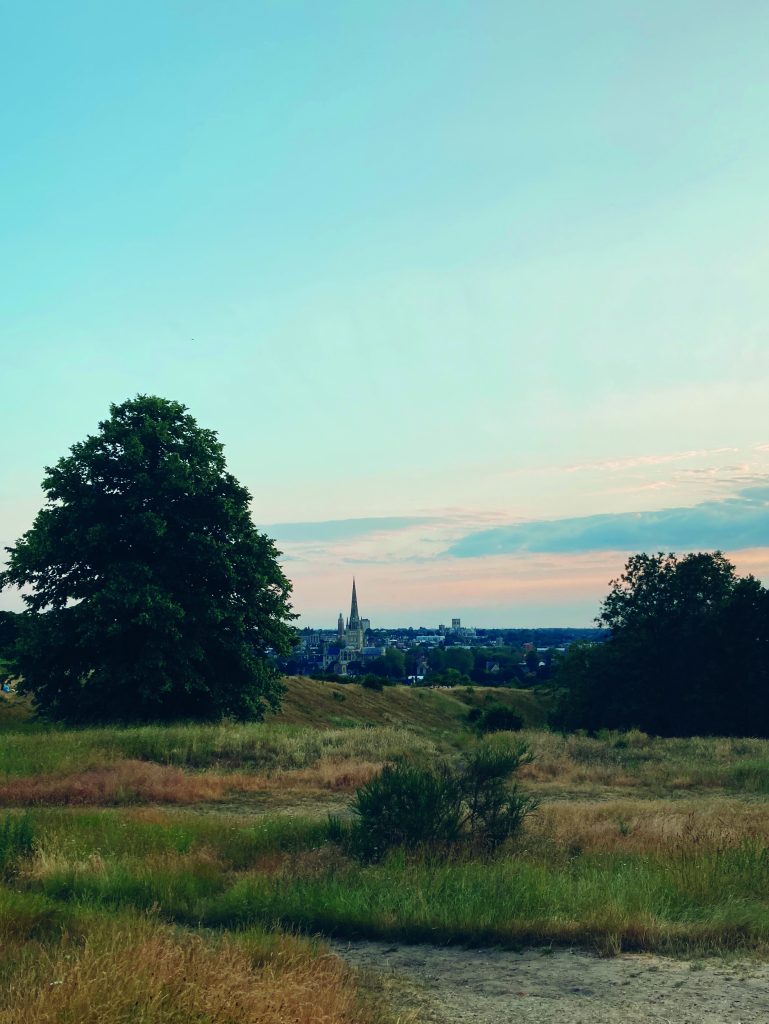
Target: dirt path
[[489, 986]]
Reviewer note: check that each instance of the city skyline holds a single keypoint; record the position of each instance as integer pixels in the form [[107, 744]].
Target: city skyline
[[474, 294]]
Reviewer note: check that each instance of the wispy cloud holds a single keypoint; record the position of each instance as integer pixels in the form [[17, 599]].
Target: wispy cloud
[[730, 524], [344, 529], [633, 461]]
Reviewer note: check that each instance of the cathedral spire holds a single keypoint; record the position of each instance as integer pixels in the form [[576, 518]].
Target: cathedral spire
[[354, 616]]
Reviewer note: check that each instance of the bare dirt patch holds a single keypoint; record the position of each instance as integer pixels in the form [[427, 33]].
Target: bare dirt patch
[[447, 985]]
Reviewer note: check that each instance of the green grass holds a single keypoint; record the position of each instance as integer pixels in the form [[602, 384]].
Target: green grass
[[708, 892], [252, 746], [706, 903], [710, 901], [434, 712], [111, 834], [313, 715], [195, 870], [750, 776]]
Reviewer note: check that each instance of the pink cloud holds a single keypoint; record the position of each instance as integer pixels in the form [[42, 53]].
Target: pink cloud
[[505, 590]]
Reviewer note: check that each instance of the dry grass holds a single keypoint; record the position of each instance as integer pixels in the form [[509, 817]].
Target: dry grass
[[650, 826], [121, 782], [320, 704], [140, 972], [130, 781], [652, 765]]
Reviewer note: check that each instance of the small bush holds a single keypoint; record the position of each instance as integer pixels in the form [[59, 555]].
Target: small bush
[[374, 682], [471, 804], [495, 718], [405, 806], [494, 807]]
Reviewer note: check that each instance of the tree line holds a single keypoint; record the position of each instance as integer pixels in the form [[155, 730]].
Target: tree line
[[151, 595], [687, 652]]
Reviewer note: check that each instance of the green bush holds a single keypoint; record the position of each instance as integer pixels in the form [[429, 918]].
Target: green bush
[[494, 808], [495, 718], [407, 806], [375, 682], [443, 807]]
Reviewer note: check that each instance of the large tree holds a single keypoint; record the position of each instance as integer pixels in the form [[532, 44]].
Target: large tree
[[687, 653], [150, 593]]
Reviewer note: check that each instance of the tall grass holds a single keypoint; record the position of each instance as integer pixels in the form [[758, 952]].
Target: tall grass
[[16, 842], [652, 765], [713, 901], [255, 747], [129, 969], [621, 760], [690, 898], [236, 843]]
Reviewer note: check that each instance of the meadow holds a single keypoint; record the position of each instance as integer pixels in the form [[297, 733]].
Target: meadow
[[207, 850]]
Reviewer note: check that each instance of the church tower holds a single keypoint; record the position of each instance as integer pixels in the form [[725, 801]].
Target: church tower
[[354, 631], [354, 620], [340, 627]]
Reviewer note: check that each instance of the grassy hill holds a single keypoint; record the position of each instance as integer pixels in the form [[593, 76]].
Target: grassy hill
[[311, 702]]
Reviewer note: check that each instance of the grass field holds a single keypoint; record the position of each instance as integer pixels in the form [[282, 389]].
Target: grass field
[[187, 846]]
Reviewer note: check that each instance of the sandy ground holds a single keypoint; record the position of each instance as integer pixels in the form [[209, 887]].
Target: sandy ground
[[490, 986]]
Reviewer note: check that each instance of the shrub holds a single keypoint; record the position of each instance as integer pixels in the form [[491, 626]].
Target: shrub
[[495, 718], [374, 682], [494, 808], [406, 806], [470, 804]]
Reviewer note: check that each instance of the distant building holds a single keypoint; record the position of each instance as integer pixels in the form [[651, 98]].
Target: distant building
[[355, 630], [461, 631]]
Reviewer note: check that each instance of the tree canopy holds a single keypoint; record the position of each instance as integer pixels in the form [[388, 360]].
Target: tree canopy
[[150, 593], [687, 653]]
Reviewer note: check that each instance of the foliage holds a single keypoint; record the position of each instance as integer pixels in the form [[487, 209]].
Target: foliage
[[406, 805], [412, 807], [9, 631], [392, 664], [451, 677], [151, 595], [460, 659], [373, 682], [688, 653], [495, 717]]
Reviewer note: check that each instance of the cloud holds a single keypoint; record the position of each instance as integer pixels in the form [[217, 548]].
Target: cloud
[[343, 529], [730, 524], [630, 462]]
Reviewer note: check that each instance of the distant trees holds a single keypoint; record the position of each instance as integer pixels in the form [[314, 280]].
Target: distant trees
[[150, 593], [459, 659], [391, 665], [687, 654]]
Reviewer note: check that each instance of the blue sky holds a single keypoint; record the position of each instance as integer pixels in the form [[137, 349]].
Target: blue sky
[[489, 276]]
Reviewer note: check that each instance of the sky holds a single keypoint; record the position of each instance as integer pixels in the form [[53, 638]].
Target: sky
[[474, 293]]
